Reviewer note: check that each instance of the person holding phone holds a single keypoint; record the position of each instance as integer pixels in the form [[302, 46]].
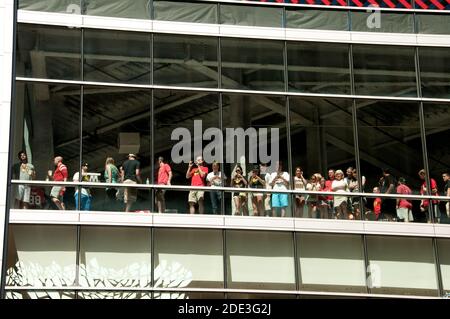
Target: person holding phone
[[197, 173]]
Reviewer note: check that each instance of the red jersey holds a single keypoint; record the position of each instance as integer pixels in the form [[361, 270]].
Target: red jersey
[[60, 173], [377, 206], [327, 188], [433, 185], [197, 179], [404, 190], [163, 174]]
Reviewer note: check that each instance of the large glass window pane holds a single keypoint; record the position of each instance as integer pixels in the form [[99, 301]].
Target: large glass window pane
[[435, 72], [322, 140], [331, 262], [46, 126], [260, 260], [317, 19], [433, 23], [437, 130], [318, 68], [384, 70], [115, 56], [63, 6], [48, 52], [388, 22], [181, 119], [136, 9], [259, 124], [41, 256], [444, 260], [185, 61], [188, 258], [182, 11], [389, 138], [116, 122], [252, 64], [402, 265], [251, 16], [115, 257]]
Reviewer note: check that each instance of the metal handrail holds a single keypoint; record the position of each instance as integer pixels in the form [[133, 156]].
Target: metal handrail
[[225, 189]]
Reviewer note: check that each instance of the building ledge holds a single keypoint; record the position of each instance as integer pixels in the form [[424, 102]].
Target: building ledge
[[228, 222]]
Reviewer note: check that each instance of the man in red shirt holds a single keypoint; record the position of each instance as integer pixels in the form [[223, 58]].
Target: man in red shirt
[[404, 206], [425, 204], [59, 175], [164, 178], [198, 174], [328, 183]]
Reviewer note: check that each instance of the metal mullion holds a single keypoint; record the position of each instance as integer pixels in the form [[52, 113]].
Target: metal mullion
[[423, 136], [437, 264], [152, 150], [10, 155], [152, 257], [225, 268], [297, 271]]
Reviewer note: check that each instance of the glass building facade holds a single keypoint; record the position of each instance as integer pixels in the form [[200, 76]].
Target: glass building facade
[[352, 87]]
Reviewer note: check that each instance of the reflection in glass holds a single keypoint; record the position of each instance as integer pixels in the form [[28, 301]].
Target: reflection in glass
[[41, 256], [318, 67], [252, 64], [389, 22], [39, 294], [402, 265], [48, 52], [115, 257], [260, 260], [185, 61], [384, 70], [251, 16], [136, 9], [47, 126], [331, 262], [188, 258], [116, 56], [317, 19], [185, 11], [443, 245], [114, 295], [63, 6], [433, 23], [435, 72]]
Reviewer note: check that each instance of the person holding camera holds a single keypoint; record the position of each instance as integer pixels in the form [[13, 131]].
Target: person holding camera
[[197, 172], [279, 181], [215, 179], [255, 181], [240, 199]]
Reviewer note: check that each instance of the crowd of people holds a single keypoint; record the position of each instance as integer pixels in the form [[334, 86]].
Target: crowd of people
[[339, 206]]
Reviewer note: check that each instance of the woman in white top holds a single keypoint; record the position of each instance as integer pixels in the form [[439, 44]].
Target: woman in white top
[[299, 184], [340, 202]]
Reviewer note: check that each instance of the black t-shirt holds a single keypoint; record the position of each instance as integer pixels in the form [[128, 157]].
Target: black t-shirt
[[130, 167], [446, 187], [388, 180]]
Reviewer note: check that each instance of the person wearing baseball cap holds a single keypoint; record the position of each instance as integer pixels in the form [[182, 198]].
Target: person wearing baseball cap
[[131, 174]]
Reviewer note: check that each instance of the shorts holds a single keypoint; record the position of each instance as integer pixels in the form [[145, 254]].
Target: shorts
[[239, 195], [57, 191], [130, 194], [405, 214], [23, 193], [195, 196], [160, 195], [279, 200]]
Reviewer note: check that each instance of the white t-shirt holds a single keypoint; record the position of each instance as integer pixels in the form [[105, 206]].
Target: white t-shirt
[[279, 185], [75, 178], [215, 182]]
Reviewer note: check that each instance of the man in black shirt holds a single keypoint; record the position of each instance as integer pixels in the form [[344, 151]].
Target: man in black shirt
[[131, 174], [387, 186]]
